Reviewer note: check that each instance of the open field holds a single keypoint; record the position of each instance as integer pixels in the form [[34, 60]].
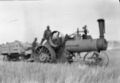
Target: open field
[[21, 72]]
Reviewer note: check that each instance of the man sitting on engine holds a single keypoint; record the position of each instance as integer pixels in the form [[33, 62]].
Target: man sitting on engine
[[85, 32], [46, 35], [78, 35]]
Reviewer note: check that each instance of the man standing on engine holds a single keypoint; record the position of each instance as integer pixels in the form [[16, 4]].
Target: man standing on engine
[[46, 35]]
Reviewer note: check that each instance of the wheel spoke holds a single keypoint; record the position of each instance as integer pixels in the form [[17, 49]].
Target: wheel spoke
[[43, 55]]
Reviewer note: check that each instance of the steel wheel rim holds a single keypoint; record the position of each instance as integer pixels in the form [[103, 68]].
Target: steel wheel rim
[[44, 55]]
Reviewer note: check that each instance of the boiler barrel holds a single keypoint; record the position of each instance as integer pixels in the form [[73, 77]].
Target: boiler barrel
[[86, 45]]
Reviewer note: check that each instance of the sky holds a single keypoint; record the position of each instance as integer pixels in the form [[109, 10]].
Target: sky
[[26, 19]]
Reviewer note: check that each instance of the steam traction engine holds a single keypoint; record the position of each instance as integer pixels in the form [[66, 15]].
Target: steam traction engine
[[64, 49]]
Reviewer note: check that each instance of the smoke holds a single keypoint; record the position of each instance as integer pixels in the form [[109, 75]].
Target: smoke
[[29, 27], [67, 13], [32, 22], [110, 11], [107, 9]]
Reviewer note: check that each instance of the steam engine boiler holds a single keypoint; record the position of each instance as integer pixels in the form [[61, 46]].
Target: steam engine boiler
[[86, 45]]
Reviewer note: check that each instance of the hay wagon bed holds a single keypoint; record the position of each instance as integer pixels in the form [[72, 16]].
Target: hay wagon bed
[[12, 51]]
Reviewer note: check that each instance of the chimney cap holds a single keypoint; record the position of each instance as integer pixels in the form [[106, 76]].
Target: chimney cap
[[101, 19]]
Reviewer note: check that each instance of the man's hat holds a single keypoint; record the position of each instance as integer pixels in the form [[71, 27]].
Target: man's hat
[[85, 27]]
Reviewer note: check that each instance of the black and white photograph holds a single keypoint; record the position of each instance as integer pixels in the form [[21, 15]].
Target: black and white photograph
[[59, 41]]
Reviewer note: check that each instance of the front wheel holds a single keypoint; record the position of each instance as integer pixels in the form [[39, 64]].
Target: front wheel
[[96, 58], [105, 59]]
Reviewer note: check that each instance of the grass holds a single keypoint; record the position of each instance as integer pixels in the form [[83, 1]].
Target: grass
[[22, 72]]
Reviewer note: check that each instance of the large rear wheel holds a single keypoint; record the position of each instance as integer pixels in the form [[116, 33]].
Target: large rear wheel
[[45, 54]]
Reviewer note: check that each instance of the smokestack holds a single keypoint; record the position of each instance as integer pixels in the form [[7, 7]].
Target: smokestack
[[101, 24]]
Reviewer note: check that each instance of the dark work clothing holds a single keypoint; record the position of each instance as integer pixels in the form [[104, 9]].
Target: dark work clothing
[[47, 34], [85, 31], [84, 36], [34, 44]]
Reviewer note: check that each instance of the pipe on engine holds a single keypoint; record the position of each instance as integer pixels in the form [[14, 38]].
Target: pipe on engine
[[101, 24]]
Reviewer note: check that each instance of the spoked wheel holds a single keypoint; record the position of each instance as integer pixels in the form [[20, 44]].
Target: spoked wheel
[[105, 58], [5, 58], [43, 55], [96, 58]]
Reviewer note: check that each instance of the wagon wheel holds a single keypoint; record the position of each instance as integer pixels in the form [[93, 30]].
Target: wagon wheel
[[5, 58], [43, 55], [96, 58]]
